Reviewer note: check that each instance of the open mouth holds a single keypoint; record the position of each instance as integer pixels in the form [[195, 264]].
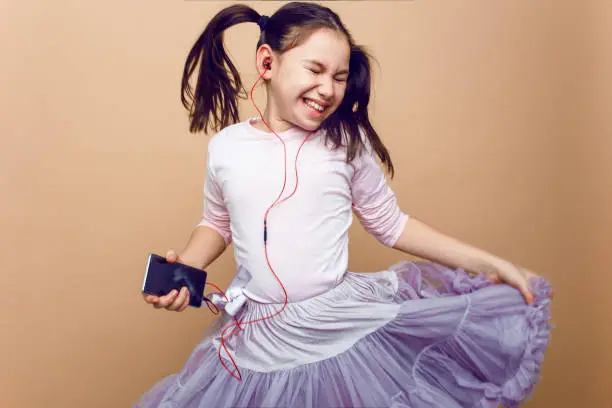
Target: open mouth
[[314, 105]]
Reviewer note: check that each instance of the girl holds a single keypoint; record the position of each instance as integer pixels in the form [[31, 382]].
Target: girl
[[298, 329]]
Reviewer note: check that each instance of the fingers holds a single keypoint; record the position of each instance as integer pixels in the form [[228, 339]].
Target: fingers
[[174, 301], [522, 284], [493, 277], [150, 298], [180, 301], [171, 256], [166, 300], [529, 298], [525, 289], [186, 301]]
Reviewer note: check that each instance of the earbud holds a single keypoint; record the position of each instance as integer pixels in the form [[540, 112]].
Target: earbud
[[267, 64]]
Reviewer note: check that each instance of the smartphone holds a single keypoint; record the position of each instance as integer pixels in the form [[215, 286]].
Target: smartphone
[[162, 276]]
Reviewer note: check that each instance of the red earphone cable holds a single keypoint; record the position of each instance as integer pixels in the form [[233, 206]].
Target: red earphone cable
[[212, 305], [236, 372]]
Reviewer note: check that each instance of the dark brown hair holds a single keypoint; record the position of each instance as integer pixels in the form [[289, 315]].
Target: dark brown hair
[[215, 102]]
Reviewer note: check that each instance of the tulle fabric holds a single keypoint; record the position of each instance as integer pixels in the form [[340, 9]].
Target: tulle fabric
[[454, 340]]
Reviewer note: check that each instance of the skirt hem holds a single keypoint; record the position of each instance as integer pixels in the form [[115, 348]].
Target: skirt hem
[[457, 341]]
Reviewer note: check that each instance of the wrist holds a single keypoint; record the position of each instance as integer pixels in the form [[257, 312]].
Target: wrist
[[188, 259], [488, 264], [500, 266]]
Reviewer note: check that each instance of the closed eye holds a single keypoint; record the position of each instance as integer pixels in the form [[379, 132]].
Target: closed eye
[[343, 78]]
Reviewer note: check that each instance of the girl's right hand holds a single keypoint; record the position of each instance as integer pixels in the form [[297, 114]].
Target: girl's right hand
[[173, 301]]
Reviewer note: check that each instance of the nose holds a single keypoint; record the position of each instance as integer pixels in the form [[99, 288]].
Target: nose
[[326, 87]]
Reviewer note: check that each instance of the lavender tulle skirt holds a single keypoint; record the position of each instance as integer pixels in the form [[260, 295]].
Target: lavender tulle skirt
[[418, 335]]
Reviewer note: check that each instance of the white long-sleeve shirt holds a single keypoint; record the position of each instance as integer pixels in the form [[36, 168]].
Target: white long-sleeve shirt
[[308, 233]]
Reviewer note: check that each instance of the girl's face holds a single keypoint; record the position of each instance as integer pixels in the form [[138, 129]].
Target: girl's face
[[307, 83]]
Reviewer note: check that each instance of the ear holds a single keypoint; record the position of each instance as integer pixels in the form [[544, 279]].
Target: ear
[[265, 55]]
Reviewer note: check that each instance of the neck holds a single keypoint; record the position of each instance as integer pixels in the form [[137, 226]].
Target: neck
[[274, 121], [272, 117]]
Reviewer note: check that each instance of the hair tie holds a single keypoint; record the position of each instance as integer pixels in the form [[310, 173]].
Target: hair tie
[[263, 21]]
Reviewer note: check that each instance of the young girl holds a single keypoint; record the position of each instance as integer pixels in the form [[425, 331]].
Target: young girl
[[298, 329]]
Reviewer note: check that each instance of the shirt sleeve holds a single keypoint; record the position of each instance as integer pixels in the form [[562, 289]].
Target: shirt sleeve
[[374, 202], [216, 214]]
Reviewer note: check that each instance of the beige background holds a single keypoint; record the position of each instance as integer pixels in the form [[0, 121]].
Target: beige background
[[496, 114]]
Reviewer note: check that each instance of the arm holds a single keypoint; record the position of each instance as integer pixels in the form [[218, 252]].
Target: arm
[[213, 234], [204, 246], [424, 241], [376, 206], [206, 243]]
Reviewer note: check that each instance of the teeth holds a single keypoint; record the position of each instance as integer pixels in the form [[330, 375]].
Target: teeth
[[314, 105]]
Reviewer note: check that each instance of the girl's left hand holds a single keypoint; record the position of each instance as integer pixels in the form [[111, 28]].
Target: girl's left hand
[[515, 276]]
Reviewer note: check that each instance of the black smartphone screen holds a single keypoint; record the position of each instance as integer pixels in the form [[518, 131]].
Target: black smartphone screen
[[162, 276]]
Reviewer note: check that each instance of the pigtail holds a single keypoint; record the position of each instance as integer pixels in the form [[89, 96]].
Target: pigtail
[[351, 120], [215, 102], [214, 105]]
